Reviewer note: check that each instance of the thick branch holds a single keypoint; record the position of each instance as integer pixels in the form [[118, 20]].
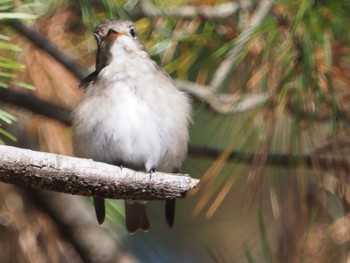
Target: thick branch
[[72, 175]]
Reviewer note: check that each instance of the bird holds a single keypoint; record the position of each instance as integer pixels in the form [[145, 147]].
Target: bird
[[131, 115]]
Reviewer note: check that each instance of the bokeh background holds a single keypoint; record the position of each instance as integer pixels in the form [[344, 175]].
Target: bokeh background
[[270, 84]]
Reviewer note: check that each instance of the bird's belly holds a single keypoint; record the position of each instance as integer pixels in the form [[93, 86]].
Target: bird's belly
[[128, 132]]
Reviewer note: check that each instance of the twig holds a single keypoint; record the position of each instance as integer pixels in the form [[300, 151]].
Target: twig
[[36, 105], [223, 103], [219, 11], [339, 231], [72, 175], [231, 59], [324, 163], [43, 43], [244, 14]]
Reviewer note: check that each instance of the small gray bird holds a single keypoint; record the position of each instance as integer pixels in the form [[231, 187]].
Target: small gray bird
[[131, 115]]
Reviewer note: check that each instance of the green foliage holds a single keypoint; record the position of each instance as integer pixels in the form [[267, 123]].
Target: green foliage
[[9, 64]]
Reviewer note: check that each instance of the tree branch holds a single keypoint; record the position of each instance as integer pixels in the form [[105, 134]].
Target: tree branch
[[232, 56], [219, 11], [73, 175], [324, 163], [43, 43], [223, 103], [36, 105], [77, 224]]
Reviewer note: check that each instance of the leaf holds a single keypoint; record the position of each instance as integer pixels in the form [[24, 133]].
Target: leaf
[[8, 135], [7, 117], [25, 85], [10, 15], [9, 46]]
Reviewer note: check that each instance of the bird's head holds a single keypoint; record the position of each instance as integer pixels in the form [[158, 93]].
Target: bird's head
[[115, 38]]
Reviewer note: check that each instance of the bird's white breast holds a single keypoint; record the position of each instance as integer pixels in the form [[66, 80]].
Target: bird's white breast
[[133, 115]]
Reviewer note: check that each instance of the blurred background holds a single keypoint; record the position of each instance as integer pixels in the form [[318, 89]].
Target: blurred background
[[270, 84]]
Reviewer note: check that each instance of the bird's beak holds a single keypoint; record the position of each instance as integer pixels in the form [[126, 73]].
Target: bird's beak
[[112, 36]]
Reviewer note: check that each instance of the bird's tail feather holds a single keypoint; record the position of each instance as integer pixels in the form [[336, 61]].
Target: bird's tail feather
[[170, 211], [136, 216], [99, 204]]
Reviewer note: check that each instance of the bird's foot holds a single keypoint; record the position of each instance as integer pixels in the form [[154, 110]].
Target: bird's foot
[[152, 170]]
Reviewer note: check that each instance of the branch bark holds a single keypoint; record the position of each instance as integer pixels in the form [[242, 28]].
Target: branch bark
[[73, 175]]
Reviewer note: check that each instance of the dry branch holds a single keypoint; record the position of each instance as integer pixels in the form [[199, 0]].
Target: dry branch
[[36, 105], [223, 103], [232, 57], [219, 11], [43, 43], [73, 175]]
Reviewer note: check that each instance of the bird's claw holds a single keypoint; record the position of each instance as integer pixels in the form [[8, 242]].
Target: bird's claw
[[152, 170]]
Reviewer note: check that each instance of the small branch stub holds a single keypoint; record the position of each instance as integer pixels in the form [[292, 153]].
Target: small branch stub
[[79, 176]]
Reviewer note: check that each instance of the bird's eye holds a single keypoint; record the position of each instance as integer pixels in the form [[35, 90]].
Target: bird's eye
[[111, 31], [132, 32]]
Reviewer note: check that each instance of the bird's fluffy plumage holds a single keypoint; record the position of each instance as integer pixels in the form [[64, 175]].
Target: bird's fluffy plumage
[[132, 113]]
